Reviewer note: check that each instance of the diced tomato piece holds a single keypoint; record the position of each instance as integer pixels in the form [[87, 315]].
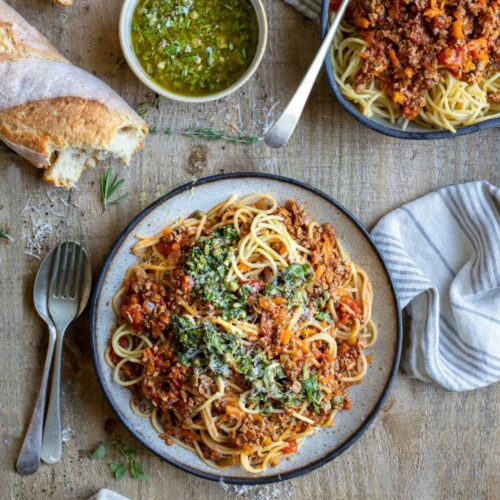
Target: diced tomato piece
[[451, 58], [291, 447], [352, 304], [168, 248]]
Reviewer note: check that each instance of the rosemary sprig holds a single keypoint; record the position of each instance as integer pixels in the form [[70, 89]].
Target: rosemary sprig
[[109, 186], [129, 462], [209, 134], [145, 107]]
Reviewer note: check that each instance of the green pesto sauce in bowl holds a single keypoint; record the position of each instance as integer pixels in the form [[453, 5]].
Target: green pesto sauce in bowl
[[195, 47]]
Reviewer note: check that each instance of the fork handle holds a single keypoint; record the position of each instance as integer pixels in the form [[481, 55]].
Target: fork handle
[[52, 440], [28, 460]]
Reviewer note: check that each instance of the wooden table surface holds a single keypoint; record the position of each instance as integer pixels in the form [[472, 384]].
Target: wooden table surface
[[426, 443]]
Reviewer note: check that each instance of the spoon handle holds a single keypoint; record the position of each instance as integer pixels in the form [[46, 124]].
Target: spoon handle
[[52, 441], [28, 460], [279, 134]]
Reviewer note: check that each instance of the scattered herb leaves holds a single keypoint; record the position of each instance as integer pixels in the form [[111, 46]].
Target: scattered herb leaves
[[109, 186], [100, 452], [128, 463], [118, 469]]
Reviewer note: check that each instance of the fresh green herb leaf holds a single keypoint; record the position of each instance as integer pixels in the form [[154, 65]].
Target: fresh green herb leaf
[[290, 283], [109, 186], [100, 452], [137, 472], [118, 469], [311, 388], [323, 316]]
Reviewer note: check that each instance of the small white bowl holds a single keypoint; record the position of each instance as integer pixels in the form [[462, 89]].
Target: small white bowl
[[126, 15]]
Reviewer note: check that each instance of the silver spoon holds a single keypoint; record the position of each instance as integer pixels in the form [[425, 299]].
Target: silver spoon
[[67, 296], [279, 134], [68, 293], [28, 460]]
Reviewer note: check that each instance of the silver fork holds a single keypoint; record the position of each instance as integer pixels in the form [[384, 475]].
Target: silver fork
[[67, 287]]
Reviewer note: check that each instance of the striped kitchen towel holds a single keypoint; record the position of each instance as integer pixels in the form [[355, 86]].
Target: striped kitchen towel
[[309, 8], [443, 252]]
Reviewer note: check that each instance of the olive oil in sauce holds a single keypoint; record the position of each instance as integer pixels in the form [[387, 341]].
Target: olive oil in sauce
[[195, 47]]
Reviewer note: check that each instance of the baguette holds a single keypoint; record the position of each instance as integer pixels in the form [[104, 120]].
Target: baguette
[[57, 116]]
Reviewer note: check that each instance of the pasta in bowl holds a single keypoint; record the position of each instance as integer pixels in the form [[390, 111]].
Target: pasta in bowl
[[238, 331], [418, 69]]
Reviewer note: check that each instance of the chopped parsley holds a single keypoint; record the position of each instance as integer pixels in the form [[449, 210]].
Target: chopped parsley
[[290, 282], [311, 388], [323, 316], [209, 263], [204, 346]]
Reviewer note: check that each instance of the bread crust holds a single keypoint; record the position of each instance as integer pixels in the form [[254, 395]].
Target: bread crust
[[18, 39], [55, 124], [47, 105]]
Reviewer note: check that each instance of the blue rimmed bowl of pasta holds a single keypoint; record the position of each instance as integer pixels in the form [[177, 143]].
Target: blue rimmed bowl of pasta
[[417, 70], [251, 337]]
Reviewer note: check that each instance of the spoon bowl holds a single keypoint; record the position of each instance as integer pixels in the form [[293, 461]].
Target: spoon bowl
[[29, 456]]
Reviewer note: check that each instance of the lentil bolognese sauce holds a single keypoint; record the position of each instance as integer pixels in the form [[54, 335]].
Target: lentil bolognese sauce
[[240, 331], [433, 61]]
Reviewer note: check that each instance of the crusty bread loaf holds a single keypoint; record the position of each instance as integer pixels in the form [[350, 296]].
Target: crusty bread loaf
[[56, 115]]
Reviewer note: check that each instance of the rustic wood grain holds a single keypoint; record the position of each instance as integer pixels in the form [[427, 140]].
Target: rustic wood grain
[[426, 443]]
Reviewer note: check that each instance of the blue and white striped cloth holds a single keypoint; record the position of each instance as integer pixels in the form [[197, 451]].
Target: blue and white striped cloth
[[443, 252], [309, 8]]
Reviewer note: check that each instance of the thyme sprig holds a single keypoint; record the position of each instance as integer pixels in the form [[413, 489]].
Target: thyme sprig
[[128, 463], [109, 186], [209, 134]]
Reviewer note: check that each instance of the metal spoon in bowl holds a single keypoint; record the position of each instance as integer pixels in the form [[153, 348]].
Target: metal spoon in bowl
[[279, 134], [67, 296], [28, 460]]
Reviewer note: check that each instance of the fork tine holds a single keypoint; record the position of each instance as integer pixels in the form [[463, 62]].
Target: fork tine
[[63, 269], [55, 271], [79, 273], [69, 281]]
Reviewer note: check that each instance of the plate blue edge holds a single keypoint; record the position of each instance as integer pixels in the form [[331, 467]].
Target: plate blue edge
[[352, 109], [220, 477]]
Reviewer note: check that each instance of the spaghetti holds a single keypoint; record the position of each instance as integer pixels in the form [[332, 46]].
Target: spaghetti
[[433, 62], [240, 331]]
